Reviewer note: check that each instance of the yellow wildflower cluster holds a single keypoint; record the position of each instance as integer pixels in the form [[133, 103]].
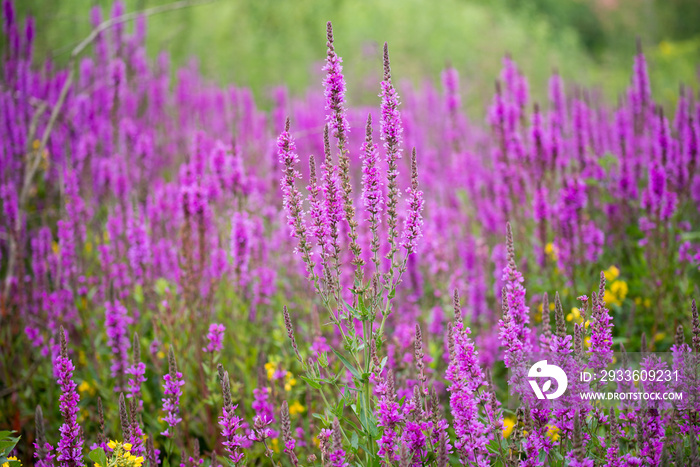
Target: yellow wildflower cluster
[[617, 288], [11, 458], [86, 387], [296, 408], [289, 379], [121, 456], [576, 317], [508, 425], [553, 433], [646, 302], [510, 422], [538, 315], [551, 251]]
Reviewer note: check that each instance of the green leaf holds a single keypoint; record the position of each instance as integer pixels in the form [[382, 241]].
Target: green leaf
[[5, 434], [161, 286], [311, 382], [348, 365], [354, 440], [7, 445], [98, 456], [138, 294]]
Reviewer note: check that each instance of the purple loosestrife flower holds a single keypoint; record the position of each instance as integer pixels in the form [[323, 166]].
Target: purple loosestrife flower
[[562, 352], [116, 323], [289, 442], [466, 379], [70, 446], [215, 336], [292, 197], [601, 332], [241, 238], [319, 228], [264, 410], [413, 229], [337, 455], [137, 370], [171, 390], [389, 417], [413, 440], [334, 85], [657, 199], [391, 131], [139, 244], [683, 360], [43, 451], [641, 88], [612, 442], [333, 206], [372, 196], [577, 455], [230, 422], [519, 312]]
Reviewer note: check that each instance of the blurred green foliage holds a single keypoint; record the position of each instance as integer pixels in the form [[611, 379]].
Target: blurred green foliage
[[263, 43]]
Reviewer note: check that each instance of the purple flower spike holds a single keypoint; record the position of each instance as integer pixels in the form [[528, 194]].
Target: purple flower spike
[[466, 378], [292, 197], [334, 85], [70, 446], [413, 229], [116, 323], [230, 422], [137, 371], [215, 336], [172, 392]]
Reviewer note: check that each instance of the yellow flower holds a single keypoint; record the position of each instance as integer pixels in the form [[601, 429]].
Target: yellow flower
[[553, 433], [610, 298], [86, 387], [647, 302], [88, 247], [508, 425], [270, 367], [275, 444], [666, 48], [659, 336], [611, 273], [11, 458], [289, 381], [55, 247], [620, 289], [296, 408], [121, 455], [574, 315], [587, 342]]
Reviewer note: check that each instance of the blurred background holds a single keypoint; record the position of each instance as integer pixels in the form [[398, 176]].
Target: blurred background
[[264, 43]]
